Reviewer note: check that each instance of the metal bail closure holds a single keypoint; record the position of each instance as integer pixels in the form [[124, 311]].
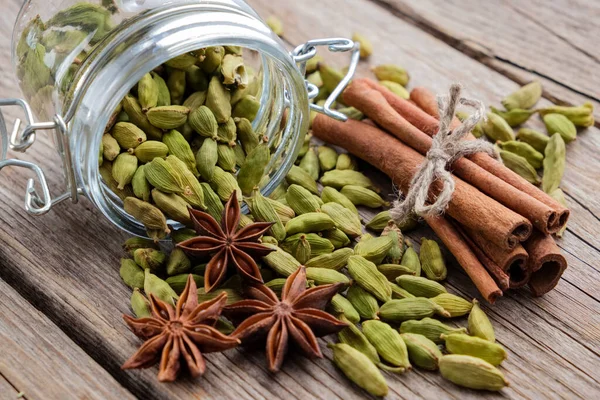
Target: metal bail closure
[[308, 50], [20, 141]]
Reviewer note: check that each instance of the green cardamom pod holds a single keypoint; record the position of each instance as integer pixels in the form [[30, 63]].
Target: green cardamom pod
[[359, 369], [234, 71], [379, 222], [395, 253], [110, 147], [123, 169], [301, 200], [224, 184], [524, 98], [520, 166], [361, 196], [139, 183], [374, 250], [390, 72], [534, 157], [226, 157], [140, 304], [335, 261], [363, 302], [422, 352], [479, 324], [338, 238], [173, 205], [535, 139], [399, 293], [168, 117], [330, 76], [340, 305], [155, 286], [128, 135], [178, 282], [233, 296], [327, 158], [455, 305], [195, 101], [346, 161], [419, 286], [178, 263], [432, 261], [150, 259], [318, 244], [131, 273], [218, 100], [366, 47], [149, 150], [366, 275], [214, 206], [393, 271], [582, 116], [147, 92], [411, 308], [298, 176], [138, 118], [497, 129], [324, 276], [213, 57], [207, 158], [281, 262], [182, 234], [182, 61], [164, 96], [254, 166], [558, 123], [192, 191], [351, 113], [285, 213], [276, 285], [303, 252], [308, 223], [340, 178], [475, 347], [554, 163], [203, 121], [246, 135], [472, 372], [180, 148], [227, 132], [152, 218], [176, 82], [354, 337], [163, 176], [388, 342], [263, 211], [135, 243], [431, 328], [310, 163], [396, 88], [247, 107], [514, 117], [344, 219], [410, 259]]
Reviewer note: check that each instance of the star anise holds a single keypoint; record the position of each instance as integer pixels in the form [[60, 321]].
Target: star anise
[[227, 244], [297, 316], [179, 334]]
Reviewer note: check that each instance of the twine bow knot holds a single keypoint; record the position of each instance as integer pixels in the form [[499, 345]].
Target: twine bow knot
[[447, 146]]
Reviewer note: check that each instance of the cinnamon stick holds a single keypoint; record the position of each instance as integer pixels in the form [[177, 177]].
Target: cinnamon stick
[[546, 263], [465, 257], [429, 125], [513, 264], [468, 206], [373, 104], [426, 100]]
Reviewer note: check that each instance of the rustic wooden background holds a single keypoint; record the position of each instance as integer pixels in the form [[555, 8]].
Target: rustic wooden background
[[61, 298]]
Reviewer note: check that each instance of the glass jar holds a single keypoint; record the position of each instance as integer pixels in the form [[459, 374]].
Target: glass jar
[[75, 61]]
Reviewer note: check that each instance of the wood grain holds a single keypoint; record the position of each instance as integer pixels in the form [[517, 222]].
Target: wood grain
[[41, 361], [551, 41], [66, 263]]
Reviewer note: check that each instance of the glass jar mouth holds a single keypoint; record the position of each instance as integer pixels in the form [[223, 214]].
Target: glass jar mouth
[[156, 37]]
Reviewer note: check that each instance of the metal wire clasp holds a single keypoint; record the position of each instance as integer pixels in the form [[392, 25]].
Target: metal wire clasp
[[20, 141], [308, 50]]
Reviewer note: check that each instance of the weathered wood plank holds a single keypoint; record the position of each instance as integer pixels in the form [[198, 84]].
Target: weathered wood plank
[[8, 390], [527, 40], [41, 361]]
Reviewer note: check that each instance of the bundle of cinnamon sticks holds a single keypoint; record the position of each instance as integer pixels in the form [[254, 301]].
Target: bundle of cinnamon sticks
[[497, 225]]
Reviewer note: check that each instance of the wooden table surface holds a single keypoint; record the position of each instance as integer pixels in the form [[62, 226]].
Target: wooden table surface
[[61, 297]]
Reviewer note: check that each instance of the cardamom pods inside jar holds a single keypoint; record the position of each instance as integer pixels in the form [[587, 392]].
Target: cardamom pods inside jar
[[159, 108]]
